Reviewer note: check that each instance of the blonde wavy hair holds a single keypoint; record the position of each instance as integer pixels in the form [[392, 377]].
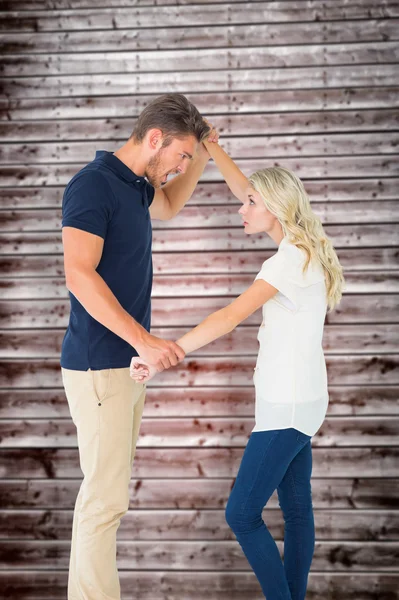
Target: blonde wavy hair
[[285, 197]]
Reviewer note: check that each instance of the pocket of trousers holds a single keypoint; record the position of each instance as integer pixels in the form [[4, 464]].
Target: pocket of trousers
[[101, 384]]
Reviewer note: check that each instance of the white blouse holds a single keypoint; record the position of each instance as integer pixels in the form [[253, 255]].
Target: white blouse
[[290, 375]]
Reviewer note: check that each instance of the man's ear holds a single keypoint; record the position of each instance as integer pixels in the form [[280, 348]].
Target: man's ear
[[155, 139]]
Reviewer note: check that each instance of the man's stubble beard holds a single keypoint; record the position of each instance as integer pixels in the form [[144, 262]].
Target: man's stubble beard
[[152, 171]]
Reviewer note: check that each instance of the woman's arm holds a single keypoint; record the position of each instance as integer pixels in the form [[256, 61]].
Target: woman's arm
[[226, 319], [215, 326], [233, 176]]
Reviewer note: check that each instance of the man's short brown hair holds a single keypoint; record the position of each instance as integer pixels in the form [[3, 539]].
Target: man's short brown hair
[[174, 115]]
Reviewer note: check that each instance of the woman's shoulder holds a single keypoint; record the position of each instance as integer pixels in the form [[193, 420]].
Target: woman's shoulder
[[293, 258]]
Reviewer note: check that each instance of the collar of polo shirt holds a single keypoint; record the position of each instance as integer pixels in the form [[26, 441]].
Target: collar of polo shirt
[[117, 165]]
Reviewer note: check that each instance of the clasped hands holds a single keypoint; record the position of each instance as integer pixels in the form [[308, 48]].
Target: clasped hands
[[154, 355]]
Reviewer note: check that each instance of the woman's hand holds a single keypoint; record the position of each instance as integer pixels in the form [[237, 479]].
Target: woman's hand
[[141, 371], [213, 136]]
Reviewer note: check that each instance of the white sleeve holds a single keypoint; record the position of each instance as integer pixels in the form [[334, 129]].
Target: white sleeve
[[276, 271]]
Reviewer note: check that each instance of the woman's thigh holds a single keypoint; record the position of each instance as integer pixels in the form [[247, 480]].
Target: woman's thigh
[[294, 490], [265, 461]]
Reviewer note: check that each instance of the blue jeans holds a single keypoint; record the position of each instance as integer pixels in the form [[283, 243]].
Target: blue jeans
[[277, 459]]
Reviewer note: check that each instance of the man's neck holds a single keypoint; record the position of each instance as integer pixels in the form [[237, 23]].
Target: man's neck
[[132, 156]]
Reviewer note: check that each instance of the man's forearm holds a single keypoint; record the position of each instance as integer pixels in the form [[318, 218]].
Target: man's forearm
[[99, 301], [180, 189]]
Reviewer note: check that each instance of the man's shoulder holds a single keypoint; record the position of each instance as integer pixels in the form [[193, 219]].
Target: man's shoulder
[[90, 177]]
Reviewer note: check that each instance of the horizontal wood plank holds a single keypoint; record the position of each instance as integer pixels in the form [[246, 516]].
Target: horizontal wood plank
[[150, 492], [210, 240], [380, 369], [217, 36], [198, 59], [223, 216], [200, 401], [362, 282], [188, 312], [272, 102], [206, 525], [270, 147], [194, 15], [214, 193], [349, 9], [213, 432], [227, 80], [176, 263], [158, 585], [325, 122], [209, 492], [337, 339], [207, 556], [306, 168]]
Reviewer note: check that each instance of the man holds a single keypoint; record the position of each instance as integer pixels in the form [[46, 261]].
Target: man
[[106, 233]]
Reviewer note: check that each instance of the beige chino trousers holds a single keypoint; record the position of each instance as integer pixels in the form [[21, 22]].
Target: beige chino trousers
[[106, 407]]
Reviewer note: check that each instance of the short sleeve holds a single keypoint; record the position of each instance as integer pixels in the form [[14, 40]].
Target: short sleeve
[[150, 193], [88, 203], [277, 272]]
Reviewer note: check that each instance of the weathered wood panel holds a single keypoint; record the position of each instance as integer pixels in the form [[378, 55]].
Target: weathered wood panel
[[349, 9], [210, 474], [188, 60], [351, 370], [193, 285], [236, 36], [344, 339], [256, 147], [269, 124], [205, 240], [331, 191], [199, 401], [211, 103], [194, 15], [225, 80], [143, 525], [215, 432], [354, 309], [214, 216], [149, 492], [319, 97], [159, 585], [306, 168], [176, 263], [206, 556]]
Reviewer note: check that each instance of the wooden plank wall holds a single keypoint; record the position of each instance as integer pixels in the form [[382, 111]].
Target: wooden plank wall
[[306, 84]]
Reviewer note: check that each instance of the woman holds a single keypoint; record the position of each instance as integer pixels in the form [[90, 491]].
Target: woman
[[295, 287]]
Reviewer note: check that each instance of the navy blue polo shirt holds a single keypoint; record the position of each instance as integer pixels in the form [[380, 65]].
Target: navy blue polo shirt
[[106, 198]]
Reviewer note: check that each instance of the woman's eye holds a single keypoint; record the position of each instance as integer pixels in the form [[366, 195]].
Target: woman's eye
[[251, 202]]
